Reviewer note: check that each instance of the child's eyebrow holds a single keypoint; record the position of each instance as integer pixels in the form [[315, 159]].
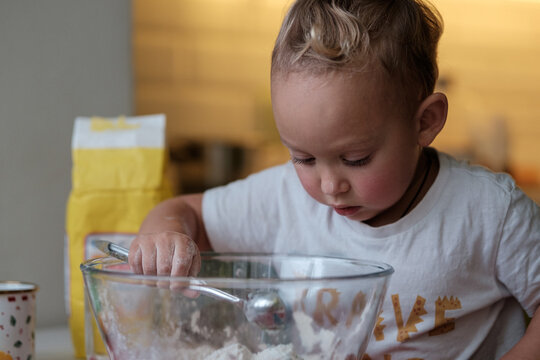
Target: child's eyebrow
[[365, 146], [287, 144]]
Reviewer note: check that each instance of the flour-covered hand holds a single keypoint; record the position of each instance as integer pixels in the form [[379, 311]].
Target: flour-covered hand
[[164, 253]]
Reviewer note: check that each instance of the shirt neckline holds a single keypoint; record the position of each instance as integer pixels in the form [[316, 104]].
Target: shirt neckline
[[420, 213]]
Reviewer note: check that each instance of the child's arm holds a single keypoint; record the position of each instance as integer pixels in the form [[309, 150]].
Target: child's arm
[[170, 238], [529, 346]]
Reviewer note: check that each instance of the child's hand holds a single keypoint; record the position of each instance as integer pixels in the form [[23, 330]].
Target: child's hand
[[164, 253]]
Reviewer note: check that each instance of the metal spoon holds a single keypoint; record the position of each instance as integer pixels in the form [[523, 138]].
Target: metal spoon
[[264, 308]]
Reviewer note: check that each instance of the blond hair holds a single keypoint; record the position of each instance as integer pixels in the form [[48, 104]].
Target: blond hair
[[323, 35]]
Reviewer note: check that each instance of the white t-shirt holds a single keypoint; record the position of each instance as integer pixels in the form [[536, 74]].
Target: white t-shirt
[[469, 245]]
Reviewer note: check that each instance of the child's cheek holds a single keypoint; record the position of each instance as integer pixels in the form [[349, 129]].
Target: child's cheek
[[312, 187], [379, 191], [311, 184]]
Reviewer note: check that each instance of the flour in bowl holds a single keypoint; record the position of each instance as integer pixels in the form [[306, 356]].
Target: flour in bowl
[[237, 351]]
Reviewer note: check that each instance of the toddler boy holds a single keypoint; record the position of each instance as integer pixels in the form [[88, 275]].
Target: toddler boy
[[353, 99]]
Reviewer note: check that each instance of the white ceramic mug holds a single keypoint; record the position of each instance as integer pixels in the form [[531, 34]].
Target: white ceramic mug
[[17, 320]]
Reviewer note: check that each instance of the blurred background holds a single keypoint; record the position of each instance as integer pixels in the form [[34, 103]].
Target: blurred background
[[205, 64]]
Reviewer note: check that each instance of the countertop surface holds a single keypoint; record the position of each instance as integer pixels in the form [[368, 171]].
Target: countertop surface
[[54, 343]]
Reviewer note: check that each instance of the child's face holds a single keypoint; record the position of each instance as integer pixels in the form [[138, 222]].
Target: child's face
[[354, 148]]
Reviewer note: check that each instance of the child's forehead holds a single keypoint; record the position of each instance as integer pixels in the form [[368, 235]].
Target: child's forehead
[[335, 104], [348, 101], [368, 82]]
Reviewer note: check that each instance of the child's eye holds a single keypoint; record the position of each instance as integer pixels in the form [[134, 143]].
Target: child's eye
[[307, 161], [359, 162]]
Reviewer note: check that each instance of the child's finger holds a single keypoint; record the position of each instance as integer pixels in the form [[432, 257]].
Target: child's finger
[[195, 265], [185, 251], [181, 261], [193, 271], [164, 257], [148, 258], [135, 259]]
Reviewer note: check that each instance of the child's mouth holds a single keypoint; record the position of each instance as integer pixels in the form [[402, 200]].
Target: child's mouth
[[347, 211]]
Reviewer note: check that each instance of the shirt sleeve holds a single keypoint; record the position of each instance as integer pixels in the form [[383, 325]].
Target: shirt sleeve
[[243, 215], [518, 259]]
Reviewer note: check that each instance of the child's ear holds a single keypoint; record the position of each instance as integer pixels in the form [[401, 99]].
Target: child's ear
[[431, 116]]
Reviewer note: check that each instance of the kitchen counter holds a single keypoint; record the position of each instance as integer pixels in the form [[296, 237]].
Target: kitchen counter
[[54, 343]]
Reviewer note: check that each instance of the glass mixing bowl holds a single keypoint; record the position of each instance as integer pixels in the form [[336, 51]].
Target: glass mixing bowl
[[330, 306]]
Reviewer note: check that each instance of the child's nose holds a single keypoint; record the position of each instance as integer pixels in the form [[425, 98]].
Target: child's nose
[[333, 185]]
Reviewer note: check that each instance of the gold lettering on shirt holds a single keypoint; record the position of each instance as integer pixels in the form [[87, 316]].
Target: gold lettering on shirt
[[358, 304], [442, 324], [386, 357], [324, 309], [378, 332], [414, 317]]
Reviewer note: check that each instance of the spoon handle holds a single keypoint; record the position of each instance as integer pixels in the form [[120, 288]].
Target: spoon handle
[[200, 286], [122, 253], [112, 249]]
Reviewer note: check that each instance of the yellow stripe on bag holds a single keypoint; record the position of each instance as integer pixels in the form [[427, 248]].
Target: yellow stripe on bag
[[109, 169]]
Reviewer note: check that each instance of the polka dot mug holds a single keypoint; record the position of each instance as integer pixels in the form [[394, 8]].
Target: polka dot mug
[[17, 320]]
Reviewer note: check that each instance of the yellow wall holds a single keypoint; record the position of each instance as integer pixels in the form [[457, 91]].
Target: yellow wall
[[490, 52], [205, 63]]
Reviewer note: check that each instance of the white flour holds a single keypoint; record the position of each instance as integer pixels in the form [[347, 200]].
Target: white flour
[[232, 351], [311, 340], [237, 351], [131, 336]]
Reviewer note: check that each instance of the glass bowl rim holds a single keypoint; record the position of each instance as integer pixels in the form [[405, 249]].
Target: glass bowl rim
[[385, 270]]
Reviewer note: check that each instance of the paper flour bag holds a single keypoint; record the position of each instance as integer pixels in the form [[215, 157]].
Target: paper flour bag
[[117, 178]]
